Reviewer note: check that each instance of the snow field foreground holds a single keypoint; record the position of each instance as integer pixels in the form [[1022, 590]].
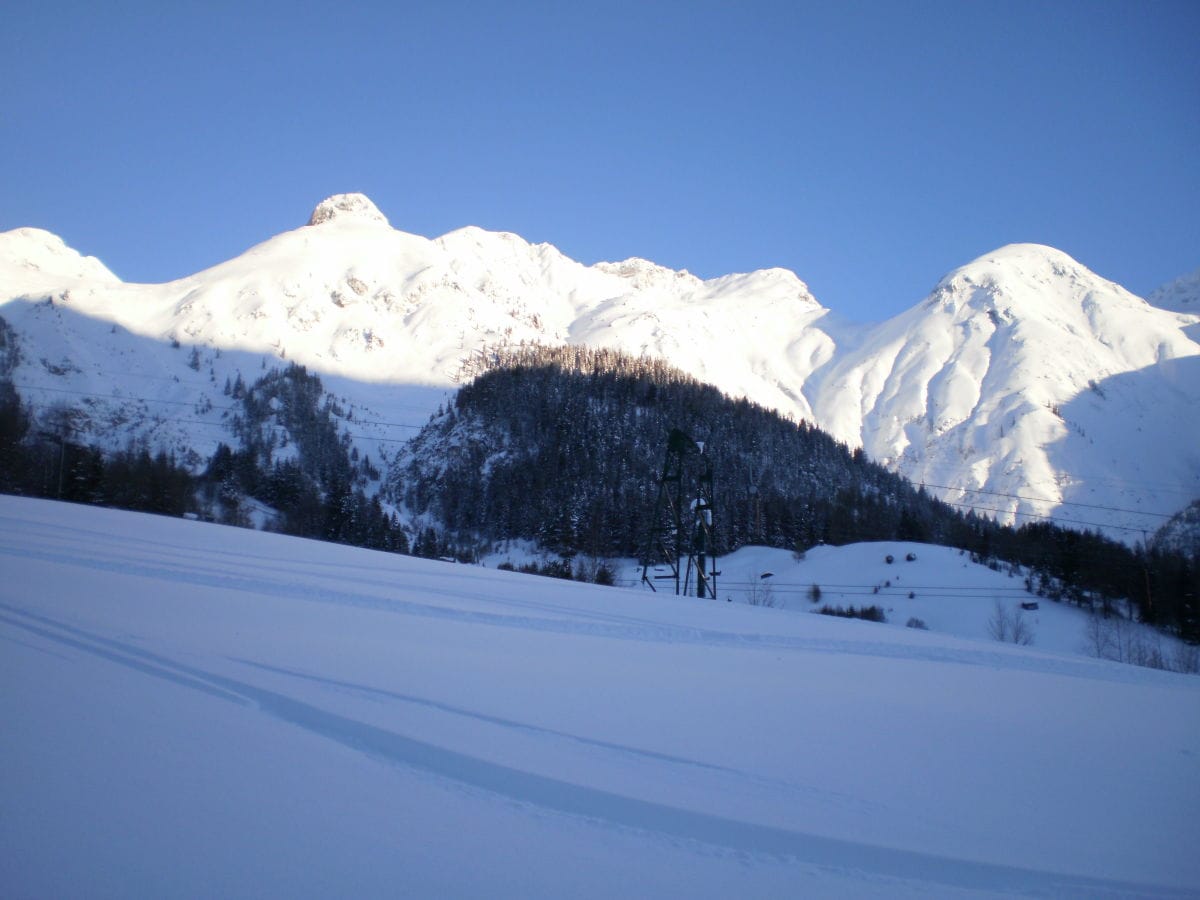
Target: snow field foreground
[[192, 710]]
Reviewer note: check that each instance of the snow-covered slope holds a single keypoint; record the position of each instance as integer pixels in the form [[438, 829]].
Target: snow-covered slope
[[350, 295], [1022, 374], [192, 710], [1181, 295], [1025, 381]]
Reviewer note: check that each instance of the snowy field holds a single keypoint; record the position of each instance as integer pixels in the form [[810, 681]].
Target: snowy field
[[198, 711], [938, 586]]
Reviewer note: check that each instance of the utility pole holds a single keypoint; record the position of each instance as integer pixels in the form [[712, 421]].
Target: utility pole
[[1146, 572], [702, 509], [686, 482], [61, 437]]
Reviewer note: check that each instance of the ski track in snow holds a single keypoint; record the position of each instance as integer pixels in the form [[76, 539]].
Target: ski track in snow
[[845, 757], [574, 799]]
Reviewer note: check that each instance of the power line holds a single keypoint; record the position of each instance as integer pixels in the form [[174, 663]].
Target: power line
[[1136, 512], [1051, 518], [209, 385], [193, 404], [37, 387], [365, 437]]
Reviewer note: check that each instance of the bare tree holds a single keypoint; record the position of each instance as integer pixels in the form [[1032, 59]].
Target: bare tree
[[760, 592], [1009, 625], [1100, 638], [1022, 630], [1121, 639]]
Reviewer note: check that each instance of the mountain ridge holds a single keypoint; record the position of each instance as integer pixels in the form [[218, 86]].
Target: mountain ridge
[[994, 386], [1179, 295]]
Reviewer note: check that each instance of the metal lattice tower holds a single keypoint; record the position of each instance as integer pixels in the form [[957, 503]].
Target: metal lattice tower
[[680, 538]]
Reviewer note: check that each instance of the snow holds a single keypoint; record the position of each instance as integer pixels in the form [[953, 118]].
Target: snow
[[1025, 385], [941, 586], [31, 259], [194, 710], [1181, 295]]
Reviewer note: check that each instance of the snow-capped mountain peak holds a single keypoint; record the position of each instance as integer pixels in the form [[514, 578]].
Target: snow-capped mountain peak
[[1022, 375], [1033, 277], [1025, 381], [31, 259], [357, 208]]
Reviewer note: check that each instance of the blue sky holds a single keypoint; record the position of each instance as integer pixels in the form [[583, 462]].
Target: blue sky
[[870, 147]]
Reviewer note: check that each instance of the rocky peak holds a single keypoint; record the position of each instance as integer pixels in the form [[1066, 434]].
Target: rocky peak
[[344, 207]]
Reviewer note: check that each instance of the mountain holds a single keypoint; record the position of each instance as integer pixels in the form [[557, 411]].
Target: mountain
[[347, 294], [1181, 295], [1025, 382], [1023, 374]]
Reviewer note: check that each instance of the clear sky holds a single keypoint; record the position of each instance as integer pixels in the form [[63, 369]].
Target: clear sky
[[870, 147]]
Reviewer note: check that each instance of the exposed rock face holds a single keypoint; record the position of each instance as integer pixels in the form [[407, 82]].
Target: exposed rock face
[[341, 207]]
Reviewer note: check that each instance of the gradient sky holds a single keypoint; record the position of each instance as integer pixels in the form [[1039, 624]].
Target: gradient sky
[[869, 147]]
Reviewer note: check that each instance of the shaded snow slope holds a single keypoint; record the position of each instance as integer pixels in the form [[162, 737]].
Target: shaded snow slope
[[1181, 295], [939, 586], [192, 710], [1023, 374]]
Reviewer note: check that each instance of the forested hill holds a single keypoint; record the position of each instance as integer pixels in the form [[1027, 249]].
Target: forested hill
[[563, 445]]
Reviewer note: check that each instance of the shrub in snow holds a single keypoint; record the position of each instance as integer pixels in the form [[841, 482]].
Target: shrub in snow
[[914, 622], [869, 613], [760, 593]]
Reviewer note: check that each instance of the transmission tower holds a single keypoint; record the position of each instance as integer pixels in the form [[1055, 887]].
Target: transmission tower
[[680, 538]]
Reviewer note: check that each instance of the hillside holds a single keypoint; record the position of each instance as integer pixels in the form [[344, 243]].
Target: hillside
[[1025, 385], [193, 709], [565, 447]]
